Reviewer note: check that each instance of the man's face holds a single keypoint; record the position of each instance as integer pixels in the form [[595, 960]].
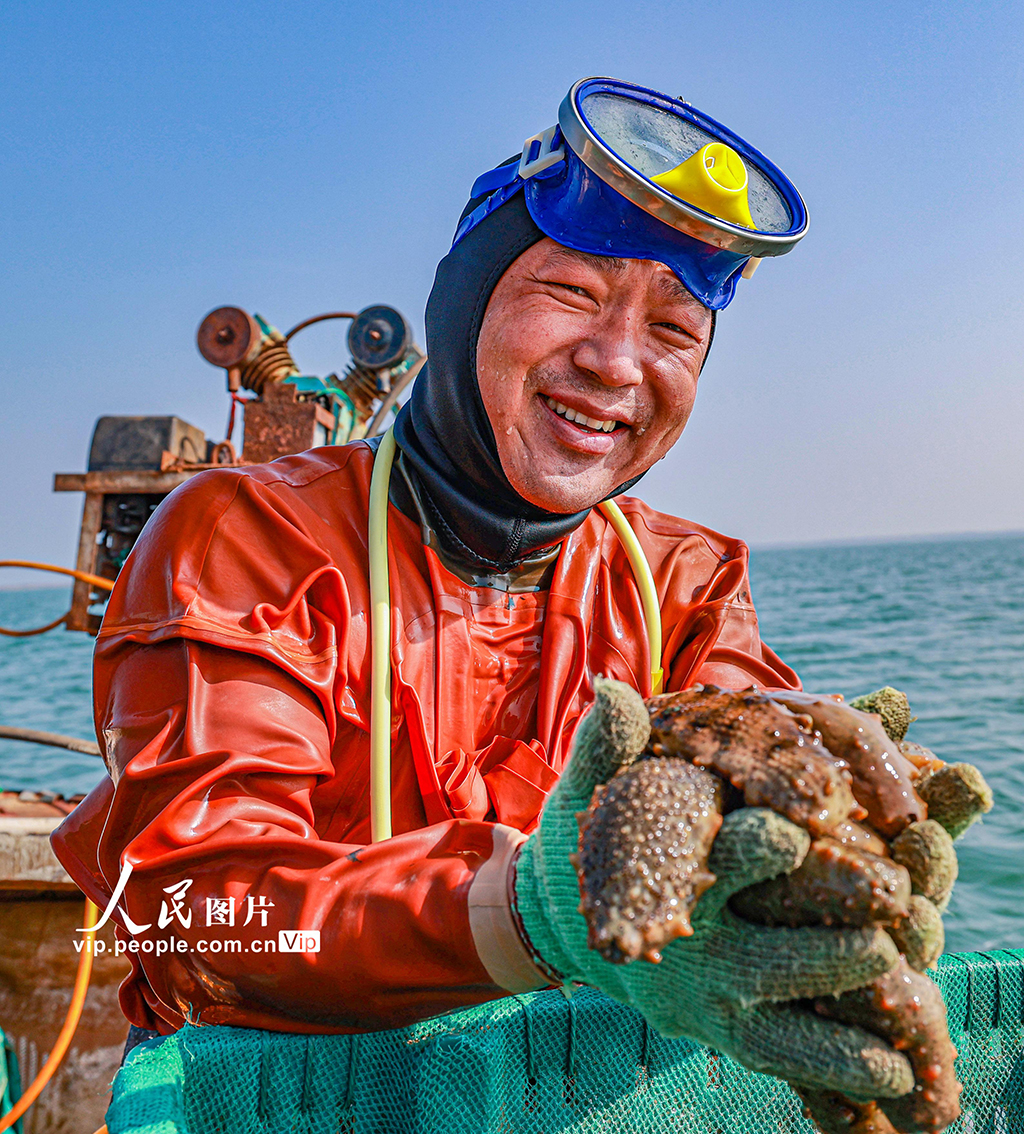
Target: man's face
[[619, 342]]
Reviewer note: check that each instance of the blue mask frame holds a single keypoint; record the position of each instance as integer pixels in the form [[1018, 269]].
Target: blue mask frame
[[574, 206]]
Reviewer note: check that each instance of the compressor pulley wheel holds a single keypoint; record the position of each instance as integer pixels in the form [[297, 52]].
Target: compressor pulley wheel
[[228, 337], [379, 337]]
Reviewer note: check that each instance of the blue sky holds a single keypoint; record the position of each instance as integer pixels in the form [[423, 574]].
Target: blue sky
[[159, 160]]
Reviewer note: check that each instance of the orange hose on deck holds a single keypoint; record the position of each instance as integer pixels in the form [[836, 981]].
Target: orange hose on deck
[[36, 630], [63, 1041], [95, 580], [92, 580]]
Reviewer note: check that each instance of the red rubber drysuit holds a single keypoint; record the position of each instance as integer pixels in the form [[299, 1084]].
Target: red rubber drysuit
[[232, 694]]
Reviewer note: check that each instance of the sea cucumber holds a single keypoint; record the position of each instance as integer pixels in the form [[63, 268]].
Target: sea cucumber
[[760, 748], [906, 1009], [834, 885], [646, 837], [834, 1113], [642, 862], [883, 778], [854, 835]]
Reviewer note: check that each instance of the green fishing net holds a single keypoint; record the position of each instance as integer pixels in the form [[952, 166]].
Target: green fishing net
[[538, 1064]]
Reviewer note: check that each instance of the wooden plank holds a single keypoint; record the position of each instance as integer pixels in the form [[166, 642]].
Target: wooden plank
[[92, 517], [121, 480], [26, 860]]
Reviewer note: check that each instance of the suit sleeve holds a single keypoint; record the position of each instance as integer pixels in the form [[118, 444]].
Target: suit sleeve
[[230, 668], [215, 756]]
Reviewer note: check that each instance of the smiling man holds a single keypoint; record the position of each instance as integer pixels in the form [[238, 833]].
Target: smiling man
[[567, 329], [587, 367]]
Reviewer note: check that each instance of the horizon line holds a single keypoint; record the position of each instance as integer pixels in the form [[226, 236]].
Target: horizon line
[[783, 545], [878, 541]]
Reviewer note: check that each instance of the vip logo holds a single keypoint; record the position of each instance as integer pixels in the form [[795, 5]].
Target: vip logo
[[298, 941]]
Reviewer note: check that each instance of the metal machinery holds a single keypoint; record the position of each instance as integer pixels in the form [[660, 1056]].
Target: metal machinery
[[134, 462]]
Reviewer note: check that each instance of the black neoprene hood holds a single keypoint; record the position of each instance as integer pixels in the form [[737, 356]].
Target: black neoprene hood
[[443, 431]]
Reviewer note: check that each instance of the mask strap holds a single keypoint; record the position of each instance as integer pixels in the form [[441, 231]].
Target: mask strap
[[484, 210], [541, 152]]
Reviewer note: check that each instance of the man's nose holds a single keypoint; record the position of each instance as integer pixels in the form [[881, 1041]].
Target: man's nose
[[612, 351]]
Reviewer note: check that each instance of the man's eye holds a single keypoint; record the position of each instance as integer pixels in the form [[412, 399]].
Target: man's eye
[[571, 287]]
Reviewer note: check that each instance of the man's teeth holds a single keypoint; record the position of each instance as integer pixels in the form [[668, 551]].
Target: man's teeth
[[581, 418]]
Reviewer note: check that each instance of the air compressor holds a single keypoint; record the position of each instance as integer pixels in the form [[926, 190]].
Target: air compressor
[[134, 462]]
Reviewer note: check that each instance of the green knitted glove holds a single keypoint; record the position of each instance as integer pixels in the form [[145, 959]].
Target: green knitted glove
[[725, 985]]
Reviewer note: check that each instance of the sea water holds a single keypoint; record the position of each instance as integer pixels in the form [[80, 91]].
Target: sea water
[[942, 620]]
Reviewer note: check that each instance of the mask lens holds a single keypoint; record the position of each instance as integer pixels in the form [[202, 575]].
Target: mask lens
[[653, 141]]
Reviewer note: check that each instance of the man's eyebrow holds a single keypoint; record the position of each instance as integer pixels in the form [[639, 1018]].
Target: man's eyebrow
[[668, 283], [610, 263], [671, 286]]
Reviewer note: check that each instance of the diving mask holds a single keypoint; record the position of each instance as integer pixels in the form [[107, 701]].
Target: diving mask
[[629, 172]]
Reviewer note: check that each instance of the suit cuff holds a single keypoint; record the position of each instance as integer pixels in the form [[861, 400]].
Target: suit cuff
[[498, 943]]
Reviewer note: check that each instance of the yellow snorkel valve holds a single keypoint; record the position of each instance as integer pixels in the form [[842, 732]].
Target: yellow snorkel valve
[[715, 180]]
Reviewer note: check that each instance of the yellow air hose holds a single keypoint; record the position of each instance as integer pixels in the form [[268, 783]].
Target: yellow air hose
[[380, 642], [63, 1041], [380, 627], [645, 583]]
